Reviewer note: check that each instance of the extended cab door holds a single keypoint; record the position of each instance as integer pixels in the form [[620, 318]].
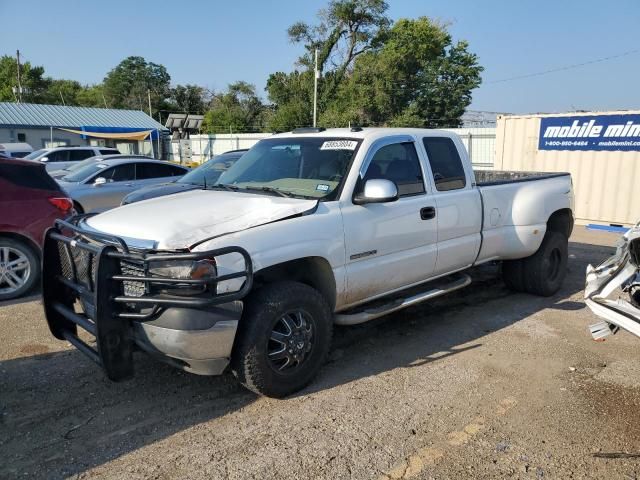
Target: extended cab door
[[458, 203], [390, 245]]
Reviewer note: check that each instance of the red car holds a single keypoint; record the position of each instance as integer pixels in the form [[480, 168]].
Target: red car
[[30, 202]]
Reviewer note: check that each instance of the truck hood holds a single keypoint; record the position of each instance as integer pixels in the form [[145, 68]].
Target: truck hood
[[185, 219]]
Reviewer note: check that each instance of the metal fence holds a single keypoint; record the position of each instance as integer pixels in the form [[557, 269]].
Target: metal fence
[[480, 144]]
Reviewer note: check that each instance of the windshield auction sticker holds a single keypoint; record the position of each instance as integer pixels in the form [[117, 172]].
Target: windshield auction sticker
[[339, 145]]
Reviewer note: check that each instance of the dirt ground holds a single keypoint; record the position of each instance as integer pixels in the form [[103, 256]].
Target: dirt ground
[[481, 384]]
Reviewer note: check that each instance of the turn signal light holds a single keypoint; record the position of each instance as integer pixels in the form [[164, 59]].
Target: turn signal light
[[62, 203]]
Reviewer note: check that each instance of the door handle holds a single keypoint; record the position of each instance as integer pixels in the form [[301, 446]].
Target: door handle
[[427, 213]]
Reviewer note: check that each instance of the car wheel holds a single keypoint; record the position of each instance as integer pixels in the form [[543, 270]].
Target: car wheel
[[283, 338], [19, 268], [543, 272]]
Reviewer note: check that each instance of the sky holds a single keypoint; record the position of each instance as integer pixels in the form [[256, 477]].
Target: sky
[[213, 43]]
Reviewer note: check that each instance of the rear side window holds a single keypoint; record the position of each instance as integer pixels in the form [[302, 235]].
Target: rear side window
[[157, 170], [58, 156], [109, 151], [445, 162], [75, 155], [399, 163], [28, 176]]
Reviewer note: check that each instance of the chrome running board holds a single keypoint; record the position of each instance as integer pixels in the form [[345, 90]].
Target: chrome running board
[[396, 304]]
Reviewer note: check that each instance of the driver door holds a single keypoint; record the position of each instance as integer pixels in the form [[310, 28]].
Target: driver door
[[390, 245]]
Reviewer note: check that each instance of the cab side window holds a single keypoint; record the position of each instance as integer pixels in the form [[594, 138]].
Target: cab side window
[[399, 163], [445, 162]]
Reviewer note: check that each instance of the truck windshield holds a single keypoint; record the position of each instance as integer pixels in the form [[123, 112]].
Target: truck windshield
[[305, 167]]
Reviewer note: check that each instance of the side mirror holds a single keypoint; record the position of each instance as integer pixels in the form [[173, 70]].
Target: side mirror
[[44, 159], [377, 191], [99, 181]]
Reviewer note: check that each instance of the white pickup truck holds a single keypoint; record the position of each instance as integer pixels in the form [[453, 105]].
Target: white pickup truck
[[308, 229]]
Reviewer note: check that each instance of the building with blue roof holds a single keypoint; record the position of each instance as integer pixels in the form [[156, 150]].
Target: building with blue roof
[[41, 126]]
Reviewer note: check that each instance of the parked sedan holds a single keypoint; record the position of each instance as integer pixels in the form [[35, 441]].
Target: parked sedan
[[205, 174], [30, 202], [63, 172], [102, 185]]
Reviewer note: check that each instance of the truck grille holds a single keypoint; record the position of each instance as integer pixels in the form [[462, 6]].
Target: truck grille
[[77, 264], [132, 269]]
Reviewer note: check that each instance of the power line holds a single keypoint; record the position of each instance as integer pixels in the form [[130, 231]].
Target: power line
[[567, 67]]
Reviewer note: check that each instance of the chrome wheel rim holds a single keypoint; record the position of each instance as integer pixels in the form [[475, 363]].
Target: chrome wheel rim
[[290, 342], [15, 269]]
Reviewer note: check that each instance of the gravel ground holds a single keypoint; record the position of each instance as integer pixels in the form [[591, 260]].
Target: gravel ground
[[482, 384]]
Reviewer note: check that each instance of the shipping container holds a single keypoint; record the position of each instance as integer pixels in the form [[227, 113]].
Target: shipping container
[[601, 150]]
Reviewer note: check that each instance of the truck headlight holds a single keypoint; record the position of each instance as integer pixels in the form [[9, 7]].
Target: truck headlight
[[204, 269]]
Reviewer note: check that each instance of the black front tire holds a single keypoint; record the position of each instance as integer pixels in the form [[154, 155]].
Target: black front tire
[[264, 308]]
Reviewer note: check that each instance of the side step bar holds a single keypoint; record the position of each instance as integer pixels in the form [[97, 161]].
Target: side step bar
[[399, 303]]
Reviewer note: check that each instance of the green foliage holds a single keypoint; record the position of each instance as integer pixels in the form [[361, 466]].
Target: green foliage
[[187, 99], [32, 79], [91, 96], [409, 73], [238, 109], [126, 86]]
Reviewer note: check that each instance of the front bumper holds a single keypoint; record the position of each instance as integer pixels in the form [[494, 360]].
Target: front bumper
[[194, 340], [612, 289], [93, 281]]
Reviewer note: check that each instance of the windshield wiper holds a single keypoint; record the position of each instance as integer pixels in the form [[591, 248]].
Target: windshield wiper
[[231, 188], [271, 190]]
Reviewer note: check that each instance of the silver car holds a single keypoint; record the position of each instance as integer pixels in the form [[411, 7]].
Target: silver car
[[101, 185]]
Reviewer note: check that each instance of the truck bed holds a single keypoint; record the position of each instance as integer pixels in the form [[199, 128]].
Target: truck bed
[[487, 178]]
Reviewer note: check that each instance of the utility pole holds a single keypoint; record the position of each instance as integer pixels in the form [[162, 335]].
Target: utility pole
[[149, 96], [316, 75], [19, 84]]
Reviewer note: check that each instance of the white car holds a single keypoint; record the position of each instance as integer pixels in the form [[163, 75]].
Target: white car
[[308, 229], [15, 150], [60, 158]]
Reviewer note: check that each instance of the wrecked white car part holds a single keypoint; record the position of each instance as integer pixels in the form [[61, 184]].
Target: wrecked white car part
[[612, 291]]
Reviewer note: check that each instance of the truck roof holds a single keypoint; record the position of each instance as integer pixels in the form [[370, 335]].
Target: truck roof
[[366, 132]]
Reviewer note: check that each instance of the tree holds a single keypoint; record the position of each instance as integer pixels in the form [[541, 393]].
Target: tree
[[409, 73], [91, 96], [417, 78], [238, 109], [187, 99], [63, 92], [127, 85], [32, 80], [346, 30]]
